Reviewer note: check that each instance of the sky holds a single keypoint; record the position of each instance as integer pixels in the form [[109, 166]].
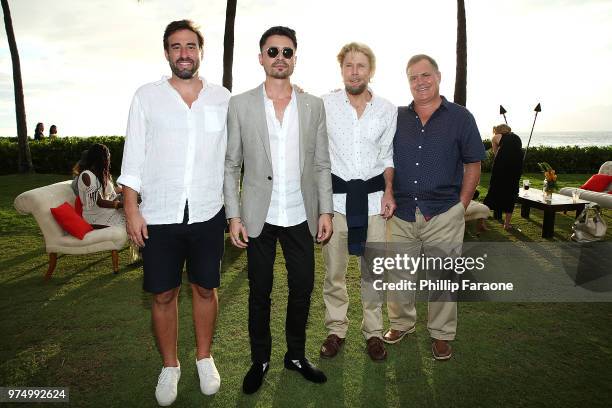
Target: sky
[[82, 61]]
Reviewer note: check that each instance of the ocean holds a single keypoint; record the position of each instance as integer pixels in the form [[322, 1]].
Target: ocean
[[556, 139]]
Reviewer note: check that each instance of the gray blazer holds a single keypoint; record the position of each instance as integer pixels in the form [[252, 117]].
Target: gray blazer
[[249, 142]]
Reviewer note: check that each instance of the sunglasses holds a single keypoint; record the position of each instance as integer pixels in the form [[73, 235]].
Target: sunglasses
[[273, 52]]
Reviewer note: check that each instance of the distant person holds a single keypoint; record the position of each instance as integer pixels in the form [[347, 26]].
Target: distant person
[[174, 157], [38, 132], [53, 131], [101, 204], [505, 174]]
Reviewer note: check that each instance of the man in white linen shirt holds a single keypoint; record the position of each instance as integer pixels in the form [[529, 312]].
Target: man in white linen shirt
[[173, 156], [285, 196], [360, 127]]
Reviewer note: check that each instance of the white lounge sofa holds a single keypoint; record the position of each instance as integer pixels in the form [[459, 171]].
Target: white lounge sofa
[[603, 199], [39, 202]]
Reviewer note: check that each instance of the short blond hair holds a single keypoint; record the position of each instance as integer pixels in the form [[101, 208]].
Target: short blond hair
[[502, 129], [358, 47]]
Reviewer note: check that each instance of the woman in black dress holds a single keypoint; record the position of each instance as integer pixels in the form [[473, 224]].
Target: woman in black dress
[[506, 172]]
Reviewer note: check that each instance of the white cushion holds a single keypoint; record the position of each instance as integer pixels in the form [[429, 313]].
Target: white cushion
[[603, 199], [476, 210], [606, 168]]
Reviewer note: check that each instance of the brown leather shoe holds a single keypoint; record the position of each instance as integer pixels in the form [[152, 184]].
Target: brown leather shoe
[[376, 349], [441, 349], [393, 336], [331, 346]]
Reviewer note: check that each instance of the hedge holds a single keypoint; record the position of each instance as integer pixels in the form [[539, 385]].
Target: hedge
[[564, 159], [59, 155]]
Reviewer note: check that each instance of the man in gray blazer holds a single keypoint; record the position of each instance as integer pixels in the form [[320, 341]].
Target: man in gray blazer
[[280, 137]]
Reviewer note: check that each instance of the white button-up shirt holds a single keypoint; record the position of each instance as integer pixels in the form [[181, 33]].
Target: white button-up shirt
[[174, 154], [359, 148], [287, 204]]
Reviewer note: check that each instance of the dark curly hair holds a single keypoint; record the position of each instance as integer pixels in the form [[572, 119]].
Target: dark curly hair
[[98, 162]]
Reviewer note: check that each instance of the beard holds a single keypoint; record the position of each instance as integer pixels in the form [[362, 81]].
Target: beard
[[356, 90], [280, 74], [184, 73]]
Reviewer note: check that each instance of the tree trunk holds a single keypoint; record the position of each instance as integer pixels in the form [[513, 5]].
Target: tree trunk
[[461, 70], [228, 43], [24, 156]]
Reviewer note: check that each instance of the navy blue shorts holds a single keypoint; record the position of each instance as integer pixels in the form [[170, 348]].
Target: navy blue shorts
[[169, 246]]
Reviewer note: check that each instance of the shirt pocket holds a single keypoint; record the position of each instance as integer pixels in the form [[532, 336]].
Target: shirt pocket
[[214, 118]]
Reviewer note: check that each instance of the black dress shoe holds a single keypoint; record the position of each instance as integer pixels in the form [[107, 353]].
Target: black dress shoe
[[254, 378], [307, 369]]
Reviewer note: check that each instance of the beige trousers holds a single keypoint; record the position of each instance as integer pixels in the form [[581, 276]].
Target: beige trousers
[[335, 296], [447, 230]]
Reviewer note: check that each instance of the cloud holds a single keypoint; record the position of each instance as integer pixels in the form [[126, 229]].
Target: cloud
[[82, 60]]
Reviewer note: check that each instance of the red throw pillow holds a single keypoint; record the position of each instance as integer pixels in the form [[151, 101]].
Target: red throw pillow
[[70, 221], [598, 183], [78, 206]]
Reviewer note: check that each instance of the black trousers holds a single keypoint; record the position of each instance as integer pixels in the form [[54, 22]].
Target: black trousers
[[298, 250]]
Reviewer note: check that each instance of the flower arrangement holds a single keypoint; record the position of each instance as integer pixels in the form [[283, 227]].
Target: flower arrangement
[[550, 178]]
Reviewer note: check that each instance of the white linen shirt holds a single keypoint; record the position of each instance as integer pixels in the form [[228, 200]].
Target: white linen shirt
[[174, 154], [359, 148], [287, 204]]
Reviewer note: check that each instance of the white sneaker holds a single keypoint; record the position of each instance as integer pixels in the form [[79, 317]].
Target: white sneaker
[[210, 381], [165, 392]]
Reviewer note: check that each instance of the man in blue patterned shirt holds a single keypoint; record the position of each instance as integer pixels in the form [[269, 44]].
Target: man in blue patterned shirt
[[437, 154]]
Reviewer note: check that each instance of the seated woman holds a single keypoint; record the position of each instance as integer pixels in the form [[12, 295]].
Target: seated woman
[[505, 173], [101, 204]]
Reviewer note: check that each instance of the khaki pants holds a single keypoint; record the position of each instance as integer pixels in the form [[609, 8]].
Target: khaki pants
[[335, 296], [447, 229]]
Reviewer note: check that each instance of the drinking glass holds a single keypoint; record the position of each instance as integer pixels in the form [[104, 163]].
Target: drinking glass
[[526, 184]]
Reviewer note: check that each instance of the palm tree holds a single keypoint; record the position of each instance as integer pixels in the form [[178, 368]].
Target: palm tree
[[228, 43], [24, 156], [461, 69]]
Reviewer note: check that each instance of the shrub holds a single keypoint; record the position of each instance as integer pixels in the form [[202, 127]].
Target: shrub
[[564, 159], [58, 155]]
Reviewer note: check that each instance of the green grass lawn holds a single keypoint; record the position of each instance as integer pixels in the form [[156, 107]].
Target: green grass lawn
[[90, 330]]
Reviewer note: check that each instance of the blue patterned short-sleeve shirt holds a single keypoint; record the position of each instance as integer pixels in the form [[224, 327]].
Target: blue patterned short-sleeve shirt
[[429, 159]]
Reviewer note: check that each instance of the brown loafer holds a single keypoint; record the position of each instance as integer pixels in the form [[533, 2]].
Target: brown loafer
[[441, 349], [393, 336], [331, 346], [376, 349]]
